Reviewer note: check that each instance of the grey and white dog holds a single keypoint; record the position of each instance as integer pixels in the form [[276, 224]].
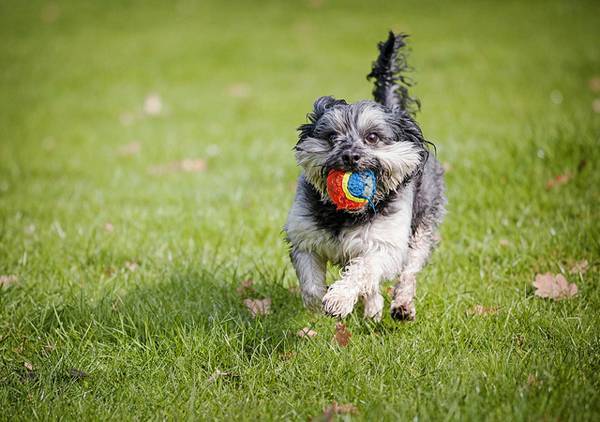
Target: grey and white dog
[[394, 237]]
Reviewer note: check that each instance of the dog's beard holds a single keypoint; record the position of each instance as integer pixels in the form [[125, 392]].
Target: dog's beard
[[391, 163]]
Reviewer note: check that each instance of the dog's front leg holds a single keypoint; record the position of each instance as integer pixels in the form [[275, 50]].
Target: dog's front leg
[[310, 270], [361, 277]]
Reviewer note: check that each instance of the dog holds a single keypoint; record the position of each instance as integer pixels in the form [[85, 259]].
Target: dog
[[392, 238]]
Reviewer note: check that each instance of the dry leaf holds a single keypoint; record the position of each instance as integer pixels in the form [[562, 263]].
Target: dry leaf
[[7, 280], [553, 286], [483, 310], [245, 287], [306, 332], [580, 267], [504, 242], [594, 84], [153, 105], [287, 355], [187, 165], [28, 366], [342, 335], [336, 409], [532, 380], [559, 180], [239, 90], [50, 13], [132, 148], [218, 374], [258, 307], [131, 265]]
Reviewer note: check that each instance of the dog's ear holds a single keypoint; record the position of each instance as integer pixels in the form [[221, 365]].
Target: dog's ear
[[319, 108]]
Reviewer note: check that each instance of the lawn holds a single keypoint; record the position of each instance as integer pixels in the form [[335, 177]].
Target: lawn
[[146, 170]]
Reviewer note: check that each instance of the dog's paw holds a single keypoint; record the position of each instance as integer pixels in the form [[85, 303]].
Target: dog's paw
[[374, 307], [403, 310], [340, 300]]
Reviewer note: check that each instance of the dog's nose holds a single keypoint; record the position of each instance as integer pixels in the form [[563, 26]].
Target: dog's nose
[[350, 157]]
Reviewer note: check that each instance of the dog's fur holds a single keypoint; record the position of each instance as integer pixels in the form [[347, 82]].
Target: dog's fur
[[390, 240]]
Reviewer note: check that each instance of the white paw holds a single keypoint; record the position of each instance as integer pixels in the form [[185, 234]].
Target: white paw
[[374, 307], [340, 300]]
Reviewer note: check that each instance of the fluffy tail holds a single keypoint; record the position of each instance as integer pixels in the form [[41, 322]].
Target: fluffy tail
[[391, 86]]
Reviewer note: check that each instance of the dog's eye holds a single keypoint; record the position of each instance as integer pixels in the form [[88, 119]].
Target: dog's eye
[[372, 138]]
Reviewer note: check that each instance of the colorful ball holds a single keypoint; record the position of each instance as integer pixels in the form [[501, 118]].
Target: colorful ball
[[349, 190]]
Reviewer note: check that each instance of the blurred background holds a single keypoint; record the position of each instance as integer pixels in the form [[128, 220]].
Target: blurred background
[[173, 124]]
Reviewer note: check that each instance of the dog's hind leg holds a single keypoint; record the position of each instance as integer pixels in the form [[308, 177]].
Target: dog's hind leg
[[311, 271], [420, 247]]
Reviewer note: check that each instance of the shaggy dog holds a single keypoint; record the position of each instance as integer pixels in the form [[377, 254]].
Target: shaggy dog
[[394, 236]]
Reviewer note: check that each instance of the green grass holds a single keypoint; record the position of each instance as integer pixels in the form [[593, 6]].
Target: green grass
[[505, 98]]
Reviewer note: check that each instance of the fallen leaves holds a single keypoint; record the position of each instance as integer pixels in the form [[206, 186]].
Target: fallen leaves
[[594, 84], [246, 287], [258, 307], [580, 267], [218, 374], [342, 334], [239, 90], [131, 266], [188, 165], [555, 287], [559, 180], [132, 148], [153, 104], [483, 310], [336, 409], [306, 332], [8, 280]]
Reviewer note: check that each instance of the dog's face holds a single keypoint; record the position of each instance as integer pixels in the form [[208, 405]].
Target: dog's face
[[356, 137]]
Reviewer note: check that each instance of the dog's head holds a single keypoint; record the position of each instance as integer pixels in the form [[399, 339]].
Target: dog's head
[[360, 136]]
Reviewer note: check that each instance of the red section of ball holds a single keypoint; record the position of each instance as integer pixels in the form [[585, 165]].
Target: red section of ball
[[335, 179]]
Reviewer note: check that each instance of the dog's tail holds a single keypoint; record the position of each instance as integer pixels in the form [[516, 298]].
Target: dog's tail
[[391, 85]]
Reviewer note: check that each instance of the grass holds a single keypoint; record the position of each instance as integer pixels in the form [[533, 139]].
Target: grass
[[506, 99]]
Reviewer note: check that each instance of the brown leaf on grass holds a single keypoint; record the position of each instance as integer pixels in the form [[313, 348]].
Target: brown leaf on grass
[[306, 332], [559, 180], [342, 334], [335, 408], [8, 280], [483, 310], [258, 307], [218, 374], [594, 84], [28, 366], [130, 149], [153, 104], [245, 287], [239, 90], [533, 381], [504, 242], [553, 286], [188, 165], [131, 266], [50, 13], [580, 267]]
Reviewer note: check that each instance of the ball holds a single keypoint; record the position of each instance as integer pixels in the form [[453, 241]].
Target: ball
[[351, 190]]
